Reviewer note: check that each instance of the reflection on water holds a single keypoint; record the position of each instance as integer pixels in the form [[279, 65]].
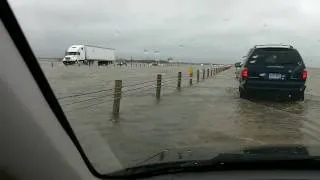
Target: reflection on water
[[267, 125], [299, 108]]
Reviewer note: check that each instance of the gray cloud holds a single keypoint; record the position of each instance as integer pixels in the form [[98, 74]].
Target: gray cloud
[[215, 31]]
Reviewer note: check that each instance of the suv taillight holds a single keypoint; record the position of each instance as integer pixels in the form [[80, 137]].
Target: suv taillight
[[304, 75], [245, 73]]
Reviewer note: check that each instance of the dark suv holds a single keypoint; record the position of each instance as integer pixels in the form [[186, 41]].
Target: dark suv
[[273, 68]]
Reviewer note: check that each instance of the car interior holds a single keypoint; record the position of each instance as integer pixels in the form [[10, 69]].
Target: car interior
[[37, 139]]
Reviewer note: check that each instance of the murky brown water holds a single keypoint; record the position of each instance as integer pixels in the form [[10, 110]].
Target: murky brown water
[[208, 114]]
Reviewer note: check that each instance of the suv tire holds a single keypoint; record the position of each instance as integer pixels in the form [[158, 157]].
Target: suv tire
[[243, 93], [299, 96]]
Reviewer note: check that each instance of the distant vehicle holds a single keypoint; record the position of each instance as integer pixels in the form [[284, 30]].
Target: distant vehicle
[[122, 63], [153, 64], [88, 55], [273, 68]]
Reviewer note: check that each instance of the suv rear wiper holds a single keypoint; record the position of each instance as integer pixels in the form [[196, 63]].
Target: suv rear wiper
[[227, 161]]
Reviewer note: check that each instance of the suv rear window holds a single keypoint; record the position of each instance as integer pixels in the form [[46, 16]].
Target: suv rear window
[[274, 56]]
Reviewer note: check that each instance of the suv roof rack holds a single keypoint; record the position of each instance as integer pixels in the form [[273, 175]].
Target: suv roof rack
[[273, 45]]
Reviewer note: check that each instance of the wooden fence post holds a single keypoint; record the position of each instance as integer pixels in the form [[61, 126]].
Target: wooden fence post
[[117, 97], [158, 89], [208, 73], [179, 81], [203, 73], [198, 75]]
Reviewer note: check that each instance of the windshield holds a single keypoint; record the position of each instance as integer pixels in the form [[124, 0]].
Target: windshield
[[271, 56], [72, 53], [159, 76]]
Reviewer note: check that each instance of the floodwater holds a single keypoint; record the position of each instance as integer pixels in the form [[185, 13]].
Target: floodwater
[[206, 114]]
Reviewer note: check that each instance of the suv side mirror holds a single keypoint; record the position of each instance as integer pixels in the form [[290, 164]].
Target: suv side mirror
[[237, 64]]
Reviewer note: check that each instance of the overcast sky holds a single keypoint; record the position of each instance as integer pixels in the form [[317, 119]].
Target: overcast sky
[[197, 30]]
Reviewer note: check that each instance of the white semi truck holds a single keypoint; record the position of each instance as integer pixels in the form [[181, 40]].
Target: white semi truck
[[88, 54]]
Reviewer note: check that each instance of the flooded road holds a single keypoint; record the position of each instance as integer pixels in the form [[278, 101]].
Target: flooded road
[[208, 114]]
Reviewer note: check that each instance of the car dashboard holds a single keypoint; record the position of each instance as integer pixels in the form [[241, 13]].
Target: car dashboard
[[244, 175]]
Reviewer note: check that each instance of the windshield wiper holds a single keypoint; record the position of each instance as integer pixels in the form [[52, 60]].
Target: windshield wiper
[[258, 160]]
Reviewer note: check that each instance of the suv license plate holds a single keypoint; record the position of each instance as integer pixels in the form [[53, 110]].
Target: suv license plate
[[274, 76]]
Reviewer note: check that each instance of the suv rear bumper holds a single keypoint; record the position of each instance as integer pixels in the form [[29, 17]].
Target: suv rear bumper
[[291, 86]]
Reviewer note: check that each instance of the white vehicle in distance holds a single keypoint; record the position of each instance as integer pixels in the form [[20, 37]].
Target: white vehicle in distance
[[154, 64], [87, 54]]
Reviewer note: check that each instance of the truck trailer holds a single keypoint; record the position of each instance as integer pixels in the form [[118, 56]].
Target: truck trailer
[[88, 54]]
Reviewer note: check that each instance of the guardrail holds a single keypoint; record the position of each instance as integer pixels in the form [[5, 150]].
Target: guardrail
[[126, 88]]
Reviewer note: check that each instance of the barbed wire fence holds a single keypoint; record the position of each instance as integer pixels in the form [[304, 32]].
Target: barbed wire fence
[[161, 85]]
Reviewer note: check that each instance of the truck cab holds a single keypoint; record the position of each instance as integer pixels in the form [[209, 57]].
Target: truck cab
[[74, 54]]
